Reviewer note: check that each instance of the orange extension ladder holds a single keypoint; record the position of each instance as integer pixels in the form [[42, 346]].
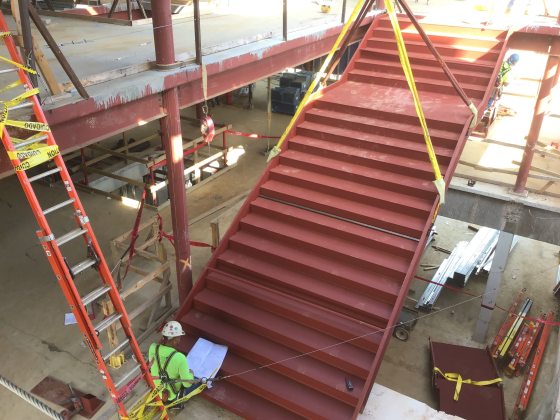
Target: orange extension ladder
[[28, 153]]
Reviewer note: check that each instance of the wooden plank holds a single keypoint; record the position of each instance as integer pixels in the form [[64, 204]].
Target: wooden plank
[[141, 283], [507, 171], [219, 130], [118, 154], [141, 228], [118, 177], [118, 150], [42, 62], [145, 305]]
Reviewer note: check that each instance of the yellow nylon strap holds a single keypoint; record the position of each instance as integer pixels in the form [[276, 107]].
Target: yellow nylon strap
[[152, 401], [18, 65], [456, 377], [276, 149], [405, 63]]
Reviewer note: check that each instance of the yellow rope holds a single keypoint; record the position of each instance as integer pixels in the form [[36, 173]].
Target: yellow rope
[[456, 377], [405, 63], [276, 149]]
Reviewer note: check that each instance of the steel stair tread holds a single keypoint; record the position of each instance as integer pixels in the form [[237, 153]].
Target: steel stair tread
[[430, 27], [352, 190], [463, 75], [284, 391], [441, 138], [447, 51], [370, 140], [415, 187], [377, 177], [340, 268], [439, 36], [368, 237], [415, 57], [256, 348], [322, 242], [298, 310], [374, 283], [395, 104], [341, 207], [255, 324], [367, 158], [246, 404], [351, 303], [424, 84]]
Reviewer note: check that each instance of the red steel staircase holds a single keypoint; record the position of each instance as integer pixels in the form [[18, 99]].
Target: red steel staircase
[[325, 246]]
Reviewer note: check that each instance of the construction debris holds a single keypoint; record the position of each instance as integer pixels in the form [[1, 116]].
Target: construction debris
[[445, 271], [466, 259], [478, 250]]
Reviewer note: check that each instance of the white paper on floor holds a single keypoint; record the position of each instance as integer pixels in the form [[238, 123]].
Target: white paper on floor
[[206, 358]]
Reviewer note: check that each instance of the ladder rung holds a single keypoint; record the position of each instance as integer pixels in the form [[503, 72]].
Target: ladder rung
[[21, 106], [107, 322], [127, 376], [32, 141], [67, 237], [116, 349], [8, 70], [81, 266], [58, 206], [95, 294], [44, 174]]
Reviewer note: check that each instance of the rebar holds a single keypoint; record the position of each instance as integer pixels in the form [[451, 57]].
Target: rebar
[[35, 402]]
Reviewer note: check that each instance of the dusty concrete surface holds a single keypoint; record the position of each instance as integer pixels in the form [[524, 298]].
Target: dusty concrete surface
[[35, 343]]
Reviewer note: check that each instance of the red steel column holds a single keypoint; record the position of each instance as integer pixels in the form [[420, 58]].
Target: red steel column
[[173, 143], [538, 116]]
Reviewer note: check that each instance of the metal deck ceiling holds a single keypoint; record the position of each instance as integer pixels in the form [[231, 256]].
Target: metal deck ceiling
[[325, 246]]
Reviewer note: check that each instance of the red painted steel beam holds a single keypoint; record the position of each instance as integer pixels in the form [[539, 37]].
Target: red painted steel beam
[[88, 121], [541, 107], [172, 140]]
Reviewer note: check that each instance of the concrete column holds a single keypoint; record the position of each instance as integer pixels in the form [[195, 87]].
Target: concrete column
[[172, 139], [538, 116], [499, 262]]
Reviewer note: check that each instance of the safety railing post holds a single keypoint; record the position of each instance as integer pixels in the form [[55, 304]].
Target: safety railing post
[[197, 32], [285, 20]]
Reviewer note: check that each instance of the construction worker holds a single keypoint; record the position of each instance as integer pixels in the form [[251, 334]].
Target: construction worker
[[169, 364], [503, 78]]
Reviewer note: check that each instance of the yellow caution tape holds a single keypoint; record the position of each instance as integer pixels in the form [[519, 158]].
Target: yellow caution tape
[[28, 125], [405, 63], [456, 377], [33, 157], [11, 86], [18, 65], [22, 97]]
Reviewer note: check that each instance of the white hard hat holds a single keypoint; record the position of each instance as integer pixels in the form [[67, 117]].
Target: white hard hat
[[172, 329]]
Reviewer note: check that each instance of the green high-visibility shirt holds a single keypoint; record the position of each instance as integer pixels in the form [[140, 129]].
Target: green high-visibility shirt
[[178, 368]]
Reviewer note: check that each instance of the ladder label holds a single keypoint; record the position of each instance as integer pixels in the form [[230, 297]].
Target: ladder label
[[33, 157]]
